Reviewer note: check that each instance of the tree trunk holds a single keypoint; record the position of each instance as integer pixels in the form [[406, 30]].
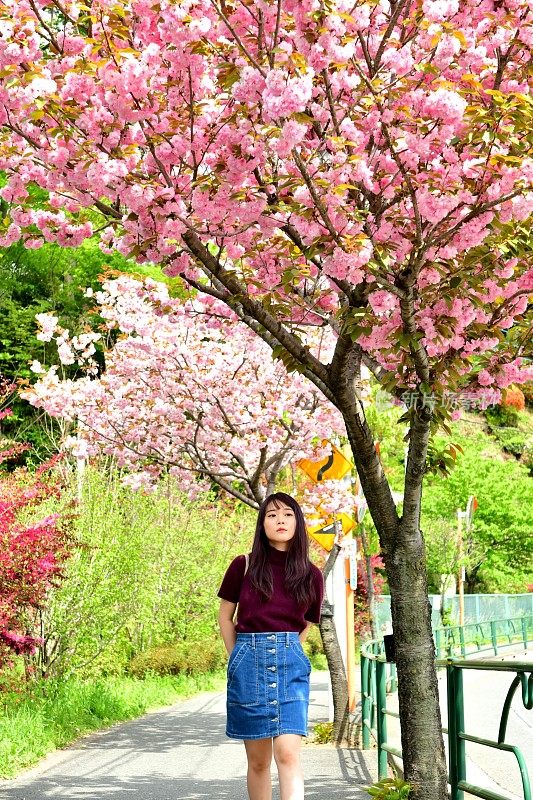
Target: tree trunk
[[371, 593], [342, 735], [422, 742], [422, 745], [339, 684], [403, 551]]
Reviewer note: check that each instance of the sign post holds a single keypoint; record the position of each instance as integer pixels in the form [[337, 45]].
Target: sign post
[[467, 515], [461, 570], [350, 555], [342, 580]]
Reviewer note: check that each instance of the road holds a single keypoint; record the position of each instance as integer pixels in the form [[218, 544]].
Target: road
[[182, 753]]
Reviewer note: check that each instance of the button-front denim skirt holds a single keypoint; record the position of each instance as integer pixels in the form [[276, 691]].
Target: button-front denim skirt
[[268, 686]]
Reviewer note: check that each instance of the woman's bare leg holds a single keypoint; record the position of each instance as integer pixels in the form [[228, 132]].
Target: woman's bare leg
[[259, 781], [287, 757]]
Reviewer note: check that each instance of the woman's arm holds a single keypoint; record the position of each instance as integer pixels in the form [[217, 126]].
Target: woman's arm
[[303, 634], [227, 626]]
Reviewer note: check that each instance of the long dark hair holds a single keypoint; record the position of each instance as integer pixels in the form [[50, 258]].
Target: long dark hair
[[298, 575]]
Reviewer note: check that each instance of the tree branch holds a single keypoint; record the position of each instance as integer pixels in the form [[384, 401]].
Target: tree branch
[[321, 208], [253, 312]]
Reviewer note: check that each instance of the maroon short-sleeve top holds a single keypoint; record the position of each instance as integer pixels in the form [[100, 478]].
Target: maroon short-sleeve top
[[281, 612]]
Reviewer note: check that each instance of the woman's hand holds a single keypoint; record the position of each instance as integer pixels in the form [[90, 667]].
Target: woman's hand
[[227, 626]]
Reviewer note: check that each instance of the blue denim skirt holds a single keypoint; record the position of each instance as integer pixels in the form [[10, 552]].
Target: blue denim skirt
[[268, 686]]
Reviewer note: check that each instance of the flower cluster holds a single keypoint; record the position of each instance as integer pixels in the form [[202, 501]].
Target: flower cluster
[[186, 389], [331, 163]]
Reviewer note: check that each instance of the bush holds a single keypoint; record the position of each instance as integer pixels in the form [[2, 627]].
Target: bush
[[514, 398], [180, 658], [390, 789], [501, 417], [512, 440], [527, 455], [527, 391], [323, 733], [313, 644], [314, 649], [496, 548], [145, 575]]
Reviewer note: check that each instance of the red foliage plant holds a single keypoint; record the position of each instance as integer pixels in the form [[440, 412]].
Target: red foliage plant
[[514, 398], [32, 554]]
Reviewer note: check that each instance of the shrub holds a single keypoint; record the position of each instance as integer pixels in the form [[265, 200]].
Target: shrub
[[501, 416], [313, 644], [184, 657], [527, 455], [390, 789], [501, 528], [145, 574], [362, 621], [323, 732], [314, 649], [514, 398], [527, 391], [512, 440]]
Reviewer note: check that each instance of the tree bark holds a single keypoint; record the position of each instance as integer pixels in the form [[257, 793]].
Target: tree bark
[[342, 735], [404, 555], [339, 685]]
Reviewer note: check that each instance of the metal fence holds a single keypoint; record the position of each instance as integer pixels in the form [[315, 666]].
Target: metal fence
[[378, 678], [478, 608]]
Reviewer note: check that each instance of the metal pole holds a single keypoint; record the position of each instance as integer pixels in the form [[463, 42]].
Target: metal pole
[[438, 645], [460, 717], [381, 721], [460, 579], [452, 731], [494, 637], [365, 701], [456, 745], [350, 643]]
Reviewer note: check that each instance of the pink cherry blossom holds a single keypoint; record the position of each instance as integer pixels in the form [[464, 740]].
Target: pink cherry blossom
[[334, 167], [180, 393]]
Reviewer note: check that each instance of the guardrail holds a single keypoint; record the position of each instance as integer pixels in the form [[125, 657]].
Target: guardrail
[[479, 637], [378, 677], [457, 735]]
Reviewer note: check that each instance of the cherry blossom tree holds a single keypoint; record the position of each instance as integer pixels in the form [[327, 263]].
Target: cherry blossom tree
[[187, 388], [365, 166]]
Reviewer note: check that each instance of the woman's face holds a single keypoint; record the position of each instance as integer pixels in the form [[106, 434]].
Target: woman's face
[[280, 525]]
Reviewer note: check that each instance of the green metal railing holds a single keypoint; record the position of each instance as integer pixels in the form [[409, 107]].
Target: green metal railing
[[479, 637], [379, 678], [457, 735]]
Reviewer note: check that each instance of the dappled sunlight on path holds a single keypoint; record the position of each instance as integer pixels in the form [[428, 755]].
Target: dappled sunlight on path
[[182, 753]]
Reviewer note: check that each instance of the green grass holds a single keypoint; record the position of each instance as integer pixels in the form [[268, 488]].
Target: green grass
[[47, 715]]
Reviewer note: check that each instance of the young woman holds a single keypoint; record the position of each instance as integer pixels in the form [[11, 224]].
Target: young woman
[[278, 593]]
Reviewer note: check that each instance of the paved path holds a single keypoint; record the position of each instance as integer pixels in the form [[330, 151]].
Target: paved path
[[182, 753]]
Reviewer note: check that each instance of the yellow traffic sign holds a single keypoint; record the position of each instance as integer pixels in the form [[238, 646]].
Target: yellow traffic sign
[[324, 533], [333, 467]]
